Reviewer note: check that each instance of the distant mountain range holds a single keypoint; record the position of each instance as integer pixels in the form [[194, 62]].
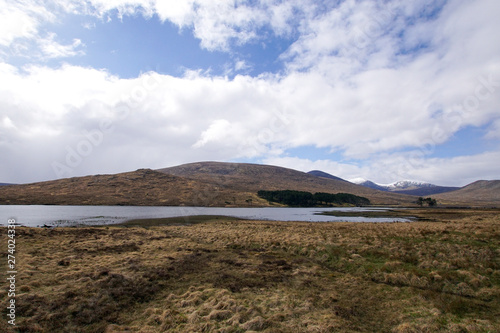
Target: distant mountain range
[[5, 184], [409, 187], [404, 187], [481, 192], [228, 185]]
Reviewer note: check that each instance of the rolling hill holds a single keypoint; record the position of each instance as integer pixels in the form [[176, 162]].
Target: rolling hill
[[481, 192], [254, 177], [143, 187]]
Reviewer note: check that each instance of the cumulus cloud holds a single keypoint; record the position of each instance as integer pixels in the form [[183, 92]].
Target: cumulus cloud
[[218, 24], [147, 116], [21, 20], [50, 48]]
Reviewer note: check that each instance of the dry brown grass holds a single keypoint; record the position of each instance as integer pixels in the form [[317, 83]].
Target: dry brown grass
[[237, 276]]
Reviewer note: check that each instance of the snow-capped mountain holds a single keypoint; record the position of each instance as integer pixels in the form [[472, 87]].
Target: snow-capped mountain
[[410, 187], [370, 184]]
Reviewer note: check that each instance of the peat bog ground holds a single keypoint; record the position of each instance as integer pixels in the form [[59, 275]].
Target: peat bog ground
[[215, 274]]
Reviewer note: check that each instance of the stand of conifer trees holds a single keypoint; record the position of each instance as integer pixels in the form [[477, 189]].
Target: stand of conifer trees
[[307, 199]]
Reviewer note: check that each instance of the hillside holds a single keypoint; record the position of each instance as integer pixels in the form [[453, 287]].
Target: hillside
[[319, 173], [426, 191], [142, 187], [418, 188], [481, 192], [254, 177]]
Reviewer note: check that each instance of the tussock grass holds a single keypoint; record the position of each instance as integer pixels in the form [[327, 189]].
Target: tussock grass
[[227, 275], [185, 220]]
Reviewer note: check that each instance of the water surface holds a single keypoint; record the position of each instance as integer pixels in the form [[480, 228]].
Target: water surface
[[98, 215]]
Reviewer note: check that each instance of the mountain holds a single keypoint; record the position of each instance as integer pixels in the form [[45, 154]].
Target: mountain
[[419, 188], [372, 185], [142, 188], [319, 173], [481, 192], [251, 178], [408, 187], [5, 184], [196, 184], [427, 191]]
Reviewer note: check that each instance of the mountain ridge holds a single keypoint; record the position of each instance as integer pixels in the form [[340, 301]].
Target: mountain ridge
[[485, 192], [319, 173], [409, 187], [255, 177], [215, 184]]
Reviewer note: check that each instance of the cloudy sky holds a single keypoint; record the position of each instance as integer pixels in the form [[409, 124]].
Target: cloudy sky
[[384, 90]]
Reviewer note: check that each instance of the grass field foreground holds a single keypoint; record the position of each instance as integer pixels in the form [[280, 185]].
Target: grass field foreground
[[226, 275]]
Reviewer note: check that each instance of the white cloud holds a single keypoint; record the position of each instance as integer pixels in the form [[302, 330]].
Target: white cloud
[[7, 123], [162, 113], [21, 19], [494, 130], [343, 170], [218, 24], [241, 65], [52, 49], [461, 170], [216, 132], [22, 23]]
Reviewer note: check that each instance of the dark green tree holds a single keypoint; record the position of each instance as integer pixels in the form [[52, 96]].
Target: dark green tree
[[307, 199], [429, 201]]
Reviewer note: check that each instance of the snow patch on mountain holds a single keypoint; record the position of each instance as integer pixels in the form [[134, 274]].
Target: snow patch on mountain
[[358, 180], [407, 184]]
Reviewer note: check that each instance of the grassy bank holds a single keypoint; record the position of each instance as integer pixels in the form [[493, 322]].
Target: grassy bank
[[225, 275], [417, 214]]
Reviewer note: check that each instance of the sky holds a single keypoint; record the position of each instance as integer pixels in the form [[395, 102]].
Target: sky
[[384, 90]]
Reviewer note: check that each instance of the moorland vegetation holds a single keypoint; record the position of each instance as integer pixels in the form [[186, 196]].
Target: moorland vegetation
[[219, 274]]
